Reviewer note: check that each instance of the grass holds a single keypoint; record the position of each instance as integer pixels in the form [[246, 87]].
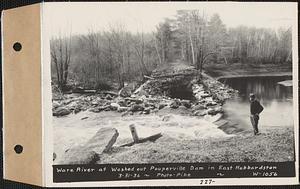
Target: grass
[[274, 144]]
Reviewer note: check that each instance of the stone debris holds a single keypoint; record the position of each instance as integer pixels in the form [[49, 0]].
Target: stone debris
[[153, 96]]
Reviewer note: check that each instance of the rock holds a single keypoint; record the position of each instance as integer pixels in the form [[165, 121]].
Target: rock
[[167, 118], [175, 104], [95, 110], [84, 118], [138, 101], [147, 111], [209, 99], [219, 109], [55, 104], [77, 109], [103, 140], [106, 107], [122, 103], [152, 106], [199, 107], [161, 106], [211, 103], [108, 97], [122, 109], [211, 111], [205, 95], [115, 105], [199, 113], [186, 103], [112, 108], [94, 103], [61, 111], [136, 107], [79, 155]]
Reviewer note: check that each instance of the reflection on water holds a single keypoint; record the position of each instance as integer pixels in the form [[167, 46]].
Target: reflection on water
[[276, 99]]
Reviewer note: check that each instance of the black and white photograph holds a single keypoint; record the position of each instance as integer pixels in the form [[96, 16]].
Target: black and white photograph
[[173, 84]]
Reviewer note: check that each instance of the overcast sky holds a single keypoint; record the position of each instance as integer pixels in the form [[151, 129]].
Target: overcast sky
[[80, 17]]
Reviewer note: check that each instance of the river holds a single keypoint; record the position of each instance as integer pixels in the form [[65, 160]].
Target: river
[[276, 99]]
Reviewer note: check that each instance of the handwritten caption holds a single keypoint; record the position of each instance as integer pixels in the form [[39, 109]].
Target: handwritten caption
[[169, 171]]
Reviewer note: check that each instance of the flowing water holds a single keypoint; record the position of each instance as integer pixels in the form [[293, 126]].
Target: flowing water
[[276, 99]]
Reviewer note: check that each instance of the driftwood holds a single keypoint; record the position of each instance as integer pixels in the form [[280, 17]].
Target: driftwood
[[141, 87], [174, 75], [148, 77], [83, 91], [136, 138], [151, 138]]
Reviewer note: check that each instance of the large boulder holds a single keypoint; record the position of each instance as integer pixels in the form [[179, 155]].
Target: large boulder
[[175, 104], [162, 105], [103, 140], [186, 103], [90, 152], [211, 111]]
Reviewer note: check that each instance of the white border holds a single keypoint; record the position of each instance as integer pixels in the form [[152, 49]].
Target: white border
[[47, 101], [48, 132]]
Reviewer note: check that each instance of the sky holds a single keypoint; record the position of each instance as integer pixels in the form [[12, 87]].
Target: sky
[[79, 18]]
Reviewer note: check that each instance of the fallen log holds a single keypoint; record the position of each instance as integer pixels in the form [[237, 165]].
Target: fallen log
[[151, 138], [108, 92], [83, 91]]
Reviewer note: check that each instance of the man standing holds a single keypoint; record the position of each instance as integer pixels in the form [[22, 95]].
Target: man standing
[[255, 109]]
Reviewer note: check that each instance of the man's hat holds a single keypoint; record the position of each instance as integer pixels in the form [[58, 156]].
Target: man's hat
[[251, 95]]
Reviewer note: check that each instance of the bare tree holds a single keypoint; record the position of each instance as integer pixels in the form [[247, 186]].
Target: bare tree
[[61, 57]]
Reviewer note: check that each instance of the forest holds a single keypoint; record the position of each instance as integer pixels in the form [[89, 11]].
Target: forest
[[102, 59]]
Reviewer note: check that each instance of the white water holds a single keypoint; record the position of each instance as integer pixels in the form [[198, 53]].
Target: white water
[[72, 130]]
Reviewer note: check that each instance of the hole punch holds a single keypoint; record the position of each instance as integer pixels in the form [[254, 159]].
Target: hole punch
[[17, 46], [18, 149]]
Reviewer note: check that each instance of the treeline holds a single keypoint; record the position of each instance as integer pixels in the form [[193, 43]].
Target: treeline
[[101, 59]]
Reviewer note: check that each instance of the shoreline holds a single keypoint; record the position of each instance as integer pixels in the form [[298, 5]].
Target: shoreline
[[255, 75], [244, 147], [239, 147]]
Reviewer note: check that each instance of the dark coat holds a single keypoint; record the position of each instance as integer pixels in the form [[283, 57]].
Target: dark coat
[[256, 107]]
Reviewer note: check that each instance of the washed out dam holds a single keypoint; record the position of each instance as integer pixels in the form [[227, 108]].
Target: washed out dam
[[177, 94]]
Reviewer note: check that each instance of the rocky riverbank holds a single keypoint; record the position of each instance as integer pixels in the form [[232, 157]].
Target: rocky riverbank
[[208, 97], [96, 127]]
